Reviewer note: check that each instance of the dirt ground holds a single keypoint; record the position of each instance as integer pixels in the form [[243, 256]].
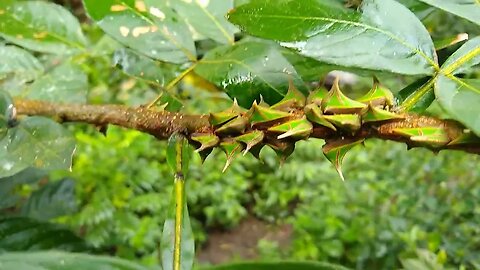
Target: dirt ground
[[241, 241]]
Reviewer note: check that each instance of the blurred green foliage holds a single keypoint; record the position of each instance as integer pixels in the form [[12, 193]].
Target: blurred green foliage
[[393, 202]]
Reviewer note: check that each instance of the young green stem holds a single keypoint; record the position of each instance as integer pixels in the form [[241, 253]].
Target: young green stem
[[179, 206]]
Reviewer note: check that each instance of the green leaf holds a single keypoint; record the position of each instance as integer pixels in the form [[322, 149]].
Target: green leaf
[[38, 142], [207, 18], [385, 36], [308, 68], [286, 265], [468, 9], [18, 64], [52, 200], [463, 59], [55, 260], [66, 83], [7, 113], [249, 69], [21, 233], [460, 97], [151, 28], [9, 185], [139, 66], [40, 26], [187, 246]]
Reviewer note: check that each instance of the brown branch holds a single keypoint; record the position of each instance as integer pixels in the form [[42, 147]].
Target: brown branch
[[162, 124]]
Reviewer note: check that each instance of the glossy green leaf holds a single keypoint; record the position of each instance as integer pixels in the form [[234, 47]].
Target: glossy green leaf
[[7, 113], [249, 69], [67, 83], [17, 64], [22, 233], [187, 249], [286, 265], [385, 36], [55, 260], [309, 69], [40, 26], [468, 9], [8, 186], [207, 18], [151, 28], [417, 96], [52, 200], [460, 97], [139, 66], [463, 59], [38, 142]]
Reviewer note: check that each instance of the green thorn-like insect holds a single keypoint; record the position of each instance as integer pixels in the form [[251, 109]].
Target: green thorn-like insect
[[231, 149], [316, 96], [336, 150], [7, 113], [430, 136], [347, 122], [337, 103], [234, 126], [219, 118], [465, 138], [207, 140], [314, 114], [259, 114], [204, 154], [378, 96], [375, 114], [282, 149], [296, 129], [294, 99], [250, 139]]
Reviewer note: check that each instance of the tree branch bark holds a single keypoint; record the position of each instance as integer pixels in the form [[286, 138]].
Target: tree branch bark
[[162, 124]]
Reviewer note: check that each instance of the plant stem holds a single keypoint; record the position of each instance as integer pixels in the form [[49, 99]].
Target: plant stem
[[179, 205], [163, 124], [415, 98], [172, 84]]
